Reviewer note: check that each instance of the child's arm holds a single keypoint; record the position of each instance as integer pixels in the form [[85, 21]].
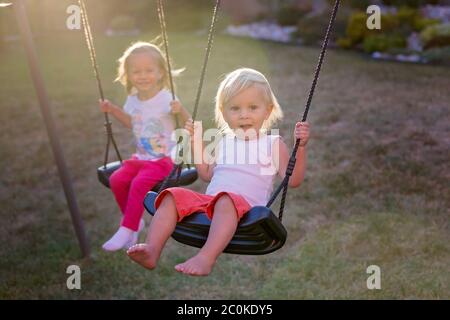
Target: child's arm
[[205, 170], [301, 131], [179, 111], [117, 112]]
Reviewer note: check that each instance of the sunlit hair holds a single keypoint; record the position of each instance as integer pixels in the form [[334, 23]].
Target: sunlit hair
[[155, 52], [239, 80]]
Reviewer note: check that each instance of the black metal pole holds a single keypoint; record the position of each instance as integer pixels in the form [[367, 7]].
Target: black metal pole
[[44, 104]]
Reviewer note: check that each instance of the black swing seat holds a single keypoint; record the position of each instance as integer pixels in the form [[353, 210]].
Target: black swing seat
[[259, 231], [187, 176]]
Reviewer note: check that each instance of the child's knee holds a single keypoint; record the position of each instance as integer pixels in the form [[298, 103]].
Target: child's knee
[[141, 185], [167, 202], [116, 181], [224, 203]]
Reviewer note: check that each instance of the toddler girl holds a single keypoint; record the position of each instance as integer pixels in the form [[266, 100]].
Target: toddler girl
[[245, 108], [149, 111]]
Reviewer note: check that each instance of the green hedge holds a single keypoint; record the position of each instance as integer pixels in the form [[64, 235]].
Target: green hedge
[[395, 28], [383, 42], [436, 36]]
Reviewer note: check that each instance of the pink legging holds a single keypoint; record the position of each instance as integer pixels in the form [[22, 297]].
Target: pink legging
[[131, 183]]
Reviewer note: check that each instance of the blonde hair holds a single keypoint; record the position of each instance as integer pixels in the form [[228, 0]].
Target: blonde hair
[[155, 52], [239, 80]]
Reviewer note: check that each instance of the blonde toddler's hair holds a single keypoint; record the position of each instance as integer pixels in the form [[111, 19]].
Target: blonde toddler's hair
[[239, 80], [154, 51]]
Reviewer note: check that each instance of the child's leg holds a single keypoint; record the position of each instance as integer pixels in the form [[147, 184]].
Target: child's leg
[[223, 227], [120, 182], [161, 228], [148, 176], [149, 173]]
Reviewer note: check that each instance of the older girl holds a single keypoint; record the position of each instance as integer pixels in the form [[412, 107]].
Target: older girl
[[148, 111]]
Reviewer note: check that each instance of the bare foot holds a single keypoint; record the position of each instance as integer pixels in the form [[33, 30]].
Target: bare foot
[[142, 254], [196, 266]]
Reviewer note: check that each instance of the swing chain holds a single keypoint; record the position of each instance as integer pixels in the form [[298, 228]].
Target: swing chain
[[212, 30], [291, 165], [177, 168], [93, 56], [284, 184]]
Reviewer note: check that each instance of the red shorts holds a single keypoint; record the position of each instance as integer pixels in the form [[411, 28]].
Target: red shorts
[[188, 202]]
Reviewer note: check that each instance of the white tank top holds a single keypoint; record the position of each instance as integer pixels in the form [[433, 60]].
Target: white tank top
[[245, 167]]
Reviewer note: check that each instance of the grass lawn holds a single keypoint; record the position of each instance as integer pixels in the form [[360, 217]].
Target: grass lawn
[[376, 192]]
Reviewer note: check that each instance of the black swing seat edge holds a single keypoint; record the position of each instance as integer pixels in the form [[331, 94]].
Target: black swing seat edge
[[187, 176], [259, 231]]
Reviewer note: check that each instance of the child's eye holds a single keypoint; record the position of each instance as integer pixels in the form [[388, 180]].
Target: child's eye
[[253, 107], [234, 108]]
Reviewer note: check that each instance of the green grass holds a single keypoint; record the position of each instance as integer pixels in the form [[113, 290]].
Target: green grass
[[376, 190], [333, 261]]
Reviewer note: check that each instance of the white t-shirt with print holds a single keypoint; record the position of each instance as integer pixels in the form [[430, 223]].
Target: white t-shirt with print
[[152, 124]]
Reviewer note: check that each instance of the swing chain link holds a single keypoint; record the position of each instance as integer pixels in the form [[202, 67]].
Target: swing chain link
[[291, 165]]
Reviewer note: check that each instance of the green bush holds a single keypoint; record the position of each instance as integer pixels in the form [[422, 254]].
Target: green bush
[[422, 23], [436, 36], [389, 23], [383, 43], [344, 43], [122, 23], [411, 20], [407, 15], [356, 27], [357, 31]]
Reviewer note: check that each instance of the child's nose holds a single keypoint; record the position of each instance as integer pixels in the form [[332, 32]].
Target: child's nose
[[244, 114]]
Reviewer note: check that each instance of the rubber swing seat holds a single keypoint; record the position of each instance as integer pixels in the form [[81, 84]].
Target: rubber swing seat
[[187, 176], [259, 231]]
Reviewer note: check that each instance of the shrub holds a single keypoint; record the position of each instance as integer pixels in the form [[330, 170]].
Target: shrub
[[406, 16], [357, 30], [389, 22], [436, 36], [344, 43], [422, 23], [383, 43], [411, 20], [356, 27]]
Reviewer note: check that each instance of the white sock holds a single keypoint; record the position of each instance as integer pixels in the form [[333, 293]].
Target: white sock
[[119, 240], [123, 238]]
